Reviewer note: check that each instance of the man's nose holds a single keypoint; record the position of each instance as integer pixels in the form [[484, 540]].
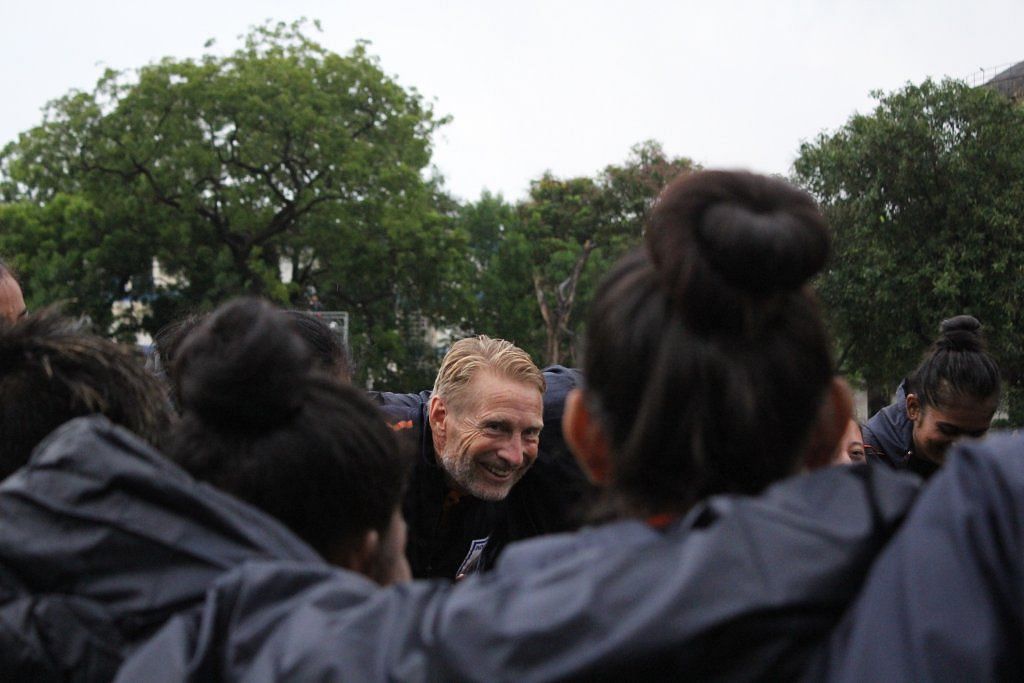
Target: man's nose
[[512, 451]]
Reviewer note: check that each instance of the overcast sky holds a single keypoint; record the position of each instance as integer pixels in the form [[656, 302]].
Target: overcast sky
[[562, 86]]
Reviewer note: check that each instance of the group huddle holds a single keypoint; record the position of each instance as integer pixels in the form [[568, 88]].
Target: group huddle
[[238, 510]]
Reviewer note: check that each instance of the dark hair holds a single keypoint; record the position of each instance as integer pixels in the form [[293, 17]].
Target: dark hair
[[325, 345], [956, 367], [52, 371], [707, 358], [261, 422]]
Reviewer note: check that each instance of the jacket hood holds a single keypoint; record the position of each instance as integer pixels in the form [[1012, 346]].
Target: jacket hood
[[102, 539]]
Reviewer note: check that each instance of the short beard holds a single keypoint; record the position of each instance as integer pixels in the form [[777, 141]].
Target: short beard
[[462, 474]]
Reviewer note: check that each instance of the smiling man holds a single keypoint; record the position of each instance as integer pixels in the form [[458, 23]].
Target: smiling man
[[486, 414], [484, 475]]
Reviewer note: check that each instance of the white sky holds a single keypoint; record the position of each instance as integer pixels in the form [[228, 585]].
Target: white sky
[[562, 86]]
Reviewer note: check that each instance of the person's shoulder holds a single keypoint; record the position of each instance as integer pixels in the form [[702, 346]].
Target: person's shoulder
[[830, 502], [402, 412], [581, 546], [938, 596], [876, 449], [392, 399], [994, 465], [561, 380], [98, 448], [888, 433], [561, 371], [287, 613]]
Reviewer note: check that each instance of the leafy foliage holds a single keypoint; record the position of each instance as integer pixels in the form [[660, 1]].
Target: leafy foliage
[[926, 197], [66, 253], [539, 262], [221, 169]]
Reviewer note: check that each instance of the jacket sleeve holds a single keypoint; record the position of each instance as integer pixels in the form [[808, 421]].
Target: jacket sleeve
[[946, 597], [271, 621]]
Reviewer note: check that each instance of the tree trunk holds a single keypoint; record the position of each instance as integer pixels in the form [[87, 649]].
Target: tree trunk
[[550, 323], [556, 318]]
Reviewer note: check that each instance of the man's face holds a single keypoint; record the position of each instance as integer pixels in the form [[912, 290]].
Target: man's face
[[490, 437], [936, 429], [12, 303]]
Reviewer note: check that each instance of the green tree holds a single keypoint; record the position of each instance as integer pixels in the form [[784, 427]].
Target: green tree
[[499, 297], [563, 222], [65, 252], [539, 262], [926, 198], [225, 167]]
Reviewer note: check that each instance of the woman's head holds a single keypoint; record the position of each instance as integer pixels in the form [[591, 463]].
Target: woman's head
[[328, 351], [707, 362], [52, 370], [955, 390], [260, 421]]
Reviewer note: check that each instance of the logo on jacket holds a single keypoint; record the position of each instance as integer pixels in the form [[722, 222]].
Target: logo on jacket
[[473, 557]]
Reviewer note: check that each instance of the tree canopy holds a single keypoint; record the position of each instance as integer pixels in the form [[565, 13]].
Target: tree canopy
[[926, 197], [226, 167], [539, 261]]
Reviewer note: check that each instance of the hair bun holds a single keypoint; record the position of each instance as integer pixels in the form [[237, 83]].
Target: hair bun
[[961, 333], [243, 367], [760, 234]]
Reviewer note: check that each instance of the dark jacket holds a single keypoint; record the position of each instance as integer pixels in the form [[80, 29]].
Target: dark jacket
[[742, 588], [889, 438], [101, 541], [451, 535], [945, 601]]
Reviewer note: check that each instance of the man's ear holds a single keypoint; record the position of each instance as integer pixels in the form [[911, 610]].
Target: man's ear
[[587, 439], [361, 557], [913, 407], [833, 417], [437, 411]]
